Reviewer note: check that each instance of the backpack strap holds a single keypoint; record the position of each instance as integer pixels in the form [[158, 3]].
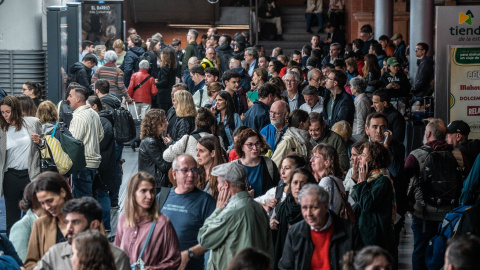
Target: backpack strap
[[332, 188], [421, 155], [144, 81], [162, 197], [196, 136], [269, 163]]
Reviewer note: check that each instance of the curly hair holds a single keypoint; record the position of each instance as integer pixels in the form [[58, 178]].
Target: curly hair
[[243, 137], [93, 251], [118, 43], [47, 112], [328, 152], [378, 156], [149, 126], [185, 105], [16, 116], [212, 144], [205, 119]]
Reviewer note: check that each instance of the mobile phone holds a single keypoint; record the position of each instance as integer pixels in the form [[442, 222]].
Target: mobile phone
[[384, 137]]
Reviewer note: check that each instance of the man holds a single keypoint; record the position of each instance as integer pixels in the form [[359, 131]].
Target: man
[[231, 80], [191, 47], [270, 14], [322, 238], [86, 127], [338, 105], [321, 133], [334, 35], [462, 253], [179, 52], [314, 77], [312, 63], [257, 117], [222, 232], [377, 50], [260, 50], [334, 54], [394, 80], [251, 57], [425, 73], [80, 215], [214, 39], [201, 95], [81, 72], [313, 103], [400, 47], [315, 41], [224, 51], [306, 53], [209, 58], [366, 34], [292, 81], [87, 47], [186, 203], [297, 57], [396, 121], [172, 114], [457, 135], [263, 62], [430, 210], [197, 72], [130, 64], [274, 131], [211, 32]]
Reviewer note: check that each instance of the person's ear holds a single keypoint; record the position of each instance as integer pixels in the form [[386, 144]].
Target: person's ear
[[174, 174], [63, 194], [385, 103], [212, 153], [94, 225]]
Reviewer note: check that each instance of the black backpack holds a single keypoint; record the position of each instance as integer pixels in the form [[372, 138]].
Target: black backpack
[[71, 78], [197, 52], [143, 56], [440, 180], [65, 113], [124, 126]]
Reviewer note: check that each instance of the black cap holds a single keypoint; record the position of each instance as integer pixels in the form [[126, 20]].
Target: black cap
[[458, 126]]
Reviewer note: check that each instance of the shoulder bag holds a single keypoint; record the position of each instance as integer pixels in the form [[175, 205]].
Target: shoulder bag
[[140, 264]]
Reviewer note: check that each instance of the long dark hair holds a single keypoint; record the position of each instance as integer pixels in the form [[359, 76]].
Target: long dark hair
[[15, 115], [36, 87], [52, 182], [94, 251], [211, 143], [229, 108]]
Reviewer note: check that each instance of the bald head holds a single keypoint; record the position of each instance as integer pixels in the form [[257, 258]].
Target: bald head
[[278, 113]]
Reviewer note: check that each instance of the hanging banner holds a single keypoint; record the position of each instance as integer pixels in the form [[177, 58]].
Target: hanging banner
[[465, 87]]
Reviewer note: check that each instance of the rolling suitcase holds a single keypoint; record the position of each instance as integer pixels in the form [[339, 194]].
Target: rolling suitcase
[[135, 142]]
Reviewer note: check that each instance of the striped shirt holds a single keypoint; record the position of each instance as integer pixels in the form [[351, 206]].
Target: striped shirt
[[114, 76]]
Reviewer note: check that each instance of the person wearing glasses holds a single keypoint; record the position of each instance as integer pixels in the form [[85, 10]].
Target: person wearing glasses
[[425, 73], [274, 131], [295, 99], [257, 117], [186, 203]]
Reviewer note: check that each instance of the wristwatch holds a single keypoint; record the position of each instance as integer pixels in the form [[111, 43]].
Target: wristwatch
[[190, 254]]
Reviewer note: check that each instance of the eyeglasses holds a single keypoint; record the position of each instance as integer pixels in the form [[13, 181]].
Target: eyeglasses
[[257, 145], [419, 49], [275, 113], [185, 170], [290, 81], [316, 80]]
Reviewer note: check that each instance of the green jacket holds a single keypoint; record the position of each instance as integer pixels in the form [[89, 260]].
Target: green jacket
[[335, 140], [375, 202], [242, 223], [189, 52]]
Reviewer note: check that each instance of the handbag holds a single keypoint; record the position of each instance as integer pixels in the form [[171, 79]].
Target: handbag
[[75, 150], [346, 211], [140, 264], [61, 159], [47, 164]]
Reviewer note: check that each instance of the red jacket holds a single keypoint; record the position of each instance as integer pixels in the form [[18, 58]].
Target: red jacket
[[145, 92]]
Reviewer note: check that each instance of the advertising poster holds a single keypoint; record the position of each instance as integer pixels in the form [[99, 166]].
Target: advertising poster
[[465, 88], [102, 23]]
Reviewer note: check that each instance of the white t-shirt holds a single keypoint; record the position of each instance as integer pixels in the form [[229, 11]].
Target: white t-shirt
[[18, 148], [264, 199], [326, 183]]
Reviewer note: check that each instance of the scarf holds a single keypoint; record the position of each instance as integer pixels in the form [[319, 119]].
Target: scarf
[[376, 174]]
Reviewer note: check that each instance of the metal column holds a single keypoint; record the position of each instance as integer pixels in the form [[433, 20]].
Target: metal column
[[56, 51], [383, 18], [421, 29], [74, 42]]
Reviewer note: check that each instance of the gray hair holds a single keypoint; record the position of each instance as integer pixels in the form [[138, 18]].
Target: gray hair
[[98, 49], [314, 189], [293, 74], [312, 71], [158, 37], [310, 90], [252, 51], [111, 56], [438, 128], [193, 32], [175, 161], [339, 47], [359, 84], [144, 64]]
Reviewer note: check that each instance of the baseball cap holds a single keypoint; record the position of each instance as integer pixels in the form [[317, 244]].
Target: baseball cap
[[392, 61], [396, 36], [232, 171], [458, 126]]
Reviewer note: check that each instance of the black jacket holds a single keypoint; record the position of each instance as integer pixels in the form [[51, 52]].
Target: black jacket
[[298, 249], [153, 64], [400, 52], [171, 119], [343, 109], [150, 160], [107, 149], [82, 74], [130, 64], [225, 52], [183, 126], [111, 102], [399, 78], [425, 74], [166, 80], [396, 123]]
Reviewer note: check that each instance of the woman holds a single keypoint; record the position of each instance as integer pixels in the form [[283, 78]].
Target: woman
[[274, 68], [185, 108], [91, 250], [289, 211], [228, 120], [326, 169], [251, 259], [289, 164], [119, 48], [141, 214], [362, 105], [278, 82], [110, 72], [212, 90], [99, 52], [344, 129], [260, 76], [28, 106], [352, 68], [166, 78], [206, 124], [21, 230], [33, 90], [395, 80], [209, 155], [374, 195], [371, 73], [296, 138], [150, 153], [262, 173], [19, 154], [142, 89], [352, 175], [52, 192], [371, 257]]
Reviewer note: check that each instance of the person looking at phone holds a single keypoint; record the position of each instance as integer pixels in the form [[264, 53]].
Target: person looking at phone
[[396, 121], [395, 80]]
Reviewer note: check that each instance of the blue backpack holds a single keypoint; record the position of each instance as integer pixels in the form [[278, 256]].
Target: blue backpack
[[437, 246]]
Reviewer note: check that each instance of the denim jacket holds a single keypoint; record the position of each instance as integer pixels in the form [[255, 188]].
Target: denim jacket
[[228, 131]]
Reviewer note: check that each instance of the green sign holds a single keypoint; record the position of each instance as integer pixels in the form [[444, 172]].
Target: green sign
[[466, 56]]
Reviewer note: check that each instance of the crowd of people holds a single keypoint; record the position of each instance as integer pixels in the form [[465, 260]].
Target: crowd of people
[[245, 161]]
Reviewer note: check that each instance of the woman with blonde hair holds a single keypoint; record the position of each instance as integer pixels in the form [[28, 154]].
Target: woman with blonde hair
[[166, 78], [185, 108], [328, 173], [142, 221], [119, 48]]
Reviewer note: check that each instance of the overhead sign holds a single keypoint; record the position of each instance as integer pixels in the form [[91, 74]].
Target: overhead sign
[[102, 22]]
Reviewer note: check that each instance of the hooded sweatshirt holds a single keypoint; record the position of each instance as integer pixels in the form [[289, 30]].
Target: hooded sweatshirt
[[295, 140]]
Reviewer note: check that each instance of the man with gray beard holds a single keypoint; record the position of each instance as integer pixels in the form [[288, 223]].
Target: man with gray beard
[[274, 131]]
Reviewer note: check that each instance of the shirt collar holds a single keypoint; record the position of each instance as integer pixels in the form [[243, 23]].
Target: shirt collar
[[326, 226]]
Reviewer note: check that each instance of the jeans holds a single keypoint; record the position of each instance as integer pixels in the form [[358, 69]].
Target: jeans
[[82, 182], [104, 200], [308, 19], [14, 182], [420, 240], [115, 189]]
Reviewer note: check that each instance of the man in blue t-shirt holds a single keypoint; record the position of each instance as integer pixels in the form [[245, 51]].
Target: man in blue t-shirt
[[187, 207]]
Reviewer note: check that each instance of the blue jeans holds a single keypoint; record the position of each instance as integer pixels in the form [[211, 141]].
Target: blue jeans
[[82, 182], [420, 240], [104, 200], [115, 189], [308, 19]]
